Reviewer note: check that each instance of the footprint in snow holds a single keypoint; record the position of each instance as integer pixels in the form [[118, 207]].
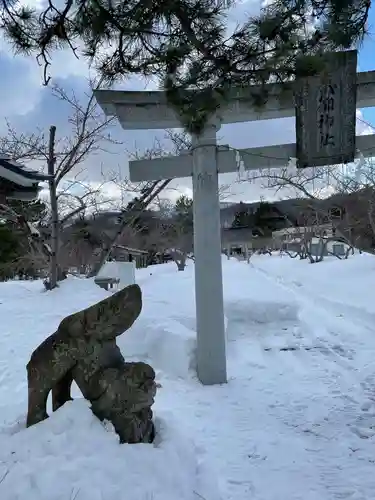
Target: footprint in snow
[[365, 427]]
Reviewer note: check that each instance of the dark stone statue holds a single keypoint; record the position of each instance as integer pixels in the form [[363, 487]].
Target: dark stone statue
[[84, 349]]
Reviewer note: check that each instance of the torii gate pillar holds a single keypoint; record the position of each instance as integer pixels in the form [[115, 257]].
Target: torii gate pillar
[[211, 348]]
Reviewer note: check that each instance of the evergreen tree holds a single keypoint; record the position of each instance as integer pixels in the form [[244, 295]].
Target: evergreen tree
[[242, 217], [180, 231], [185, 43], [184, 212], [262, 219], [10, 250], [14, 242], [32, 211]]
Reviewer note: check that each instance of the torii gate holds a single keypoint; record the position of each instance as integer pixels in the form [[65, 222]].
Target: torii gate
[[146, 110]]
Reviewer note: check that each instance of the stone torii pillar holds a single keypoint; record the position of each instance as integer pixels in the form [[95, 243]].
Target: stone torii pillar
[[211, 348], [202, 162]]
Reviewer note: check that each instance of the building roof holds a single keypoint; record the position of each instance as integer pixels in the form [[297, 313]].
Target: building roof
[[18, 182], [237, 235], [20, 175], [134, 251]]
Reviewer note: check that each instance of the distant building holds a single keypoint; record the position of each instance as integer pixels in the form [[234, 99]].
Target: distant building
[[122, 253], [249, 225]]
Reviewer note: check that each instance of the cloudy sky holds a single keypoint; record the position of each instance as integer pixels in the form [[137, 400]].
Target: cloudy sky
[[26, 104]]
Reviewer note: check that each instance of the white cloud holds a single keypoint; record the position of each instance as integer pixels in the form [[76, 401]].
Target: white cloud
[[19, 84], [174, 193]]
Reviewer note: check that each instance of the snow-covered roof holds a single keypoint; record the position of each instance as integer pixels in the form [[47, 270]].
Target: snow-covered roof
[[18, 174]]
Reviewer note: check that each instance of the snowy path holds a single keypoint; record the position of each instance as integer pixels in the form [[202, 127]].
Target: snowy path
[[291, 413]]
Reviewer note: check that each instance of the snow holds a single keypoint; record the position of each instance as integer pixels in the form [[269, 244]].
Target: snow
[[296, 420], [33, 230], [124, 271]]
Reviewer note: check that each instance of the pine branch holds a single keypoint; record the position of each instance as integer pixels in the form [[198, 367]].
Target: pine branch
[[184, 44]]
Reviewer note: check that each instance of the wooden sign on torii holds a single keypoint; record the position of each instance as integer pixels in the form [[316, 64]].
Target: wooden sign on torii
[[146, 110]]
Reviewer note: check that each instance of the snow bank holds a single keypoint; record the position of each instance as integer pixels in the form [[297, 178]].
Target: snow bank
[[167, 344], [255, 301], [73, 455], [165, 333]]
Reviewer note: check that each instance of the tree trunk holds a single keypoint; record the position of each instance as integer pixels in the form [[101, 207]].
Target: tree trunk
[[181, 265], [54, 211], [180, 260]]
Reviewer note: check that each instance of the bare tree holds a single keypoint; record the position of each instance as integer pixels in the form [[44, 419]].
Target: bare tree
[[347, 192], [180, 245], [313, 232], [145, 194], [176, 234], [355, 199], [89, 134], [169, 237], [129, 217], [54, 209], [79, 199], [80, 239], [175, 239]]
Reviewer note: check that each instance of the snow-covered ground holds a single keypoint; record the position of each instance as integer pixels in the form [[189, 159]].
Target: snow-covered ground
[[296, 420]]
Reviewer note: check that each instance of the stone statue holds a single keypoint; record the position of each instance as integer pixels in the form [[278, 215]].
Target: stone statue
[[84, 349]]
